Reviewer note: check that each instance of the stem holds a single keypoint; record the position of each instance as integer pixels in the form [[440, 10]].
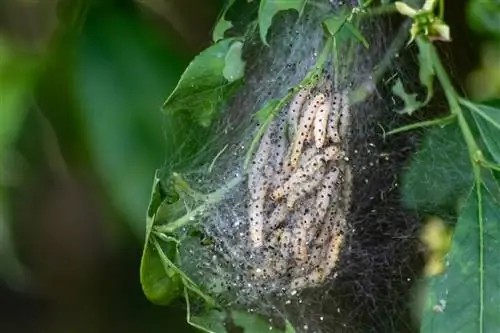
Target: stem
[[440, 121], [474, 153], [210, 199], [453, 102]]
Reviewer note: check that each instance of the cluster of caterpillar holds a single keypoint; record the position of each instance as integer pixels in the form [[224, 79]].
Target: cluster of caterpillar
[[300, 188]]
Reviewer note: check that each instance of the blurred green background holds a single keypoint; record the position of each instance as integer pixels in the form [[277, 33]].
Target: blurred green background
[[81, 86], [81, 134]]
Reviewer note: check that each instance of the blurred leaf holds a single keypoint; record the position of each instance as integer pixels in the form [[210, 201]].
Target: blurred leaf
[[410, 100], [203, 87], [18, 73], [426, 70], [269, 8], [484, 81], [234, 69], [159, 283], [465, 298], [123, 71], [484, 16], [443, 155], [252, 322], [222, 24]]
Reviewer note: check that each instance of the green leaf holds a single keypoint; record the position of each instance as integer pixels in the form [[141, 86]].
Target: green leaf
[[466, 297], [334, 24], [234, 68], [203, 87], [443, 156], [410, 100], [267, 110], [220, 29], [252, 323], [269, 8], [211, 321], [339, 26], [484, 16], [289, 328], [222, 24], [354, 31], [426, 70], [488, 121], [160, 285]]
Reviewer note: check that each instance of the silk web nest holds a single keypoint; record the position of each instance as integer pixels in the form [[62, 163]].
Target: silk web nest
[[312, 229]]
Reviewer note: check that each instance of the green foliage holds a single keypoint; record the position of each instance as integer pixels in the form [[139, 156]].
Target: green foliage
[[341, 27], [160, 283], [269, 8], [466, 298], [210, 321], [426, 71], [203, 87], [252, 323], [222, 24], [439, 173], [449, 163], [17, 74], [488, 122]]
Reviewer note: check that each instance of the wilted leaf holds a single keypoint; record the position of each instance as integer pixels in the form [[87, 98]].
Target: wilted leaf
[[269, 8], [443, 156], [466, 297], [222, 24], [410, 100], [203, 87]]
